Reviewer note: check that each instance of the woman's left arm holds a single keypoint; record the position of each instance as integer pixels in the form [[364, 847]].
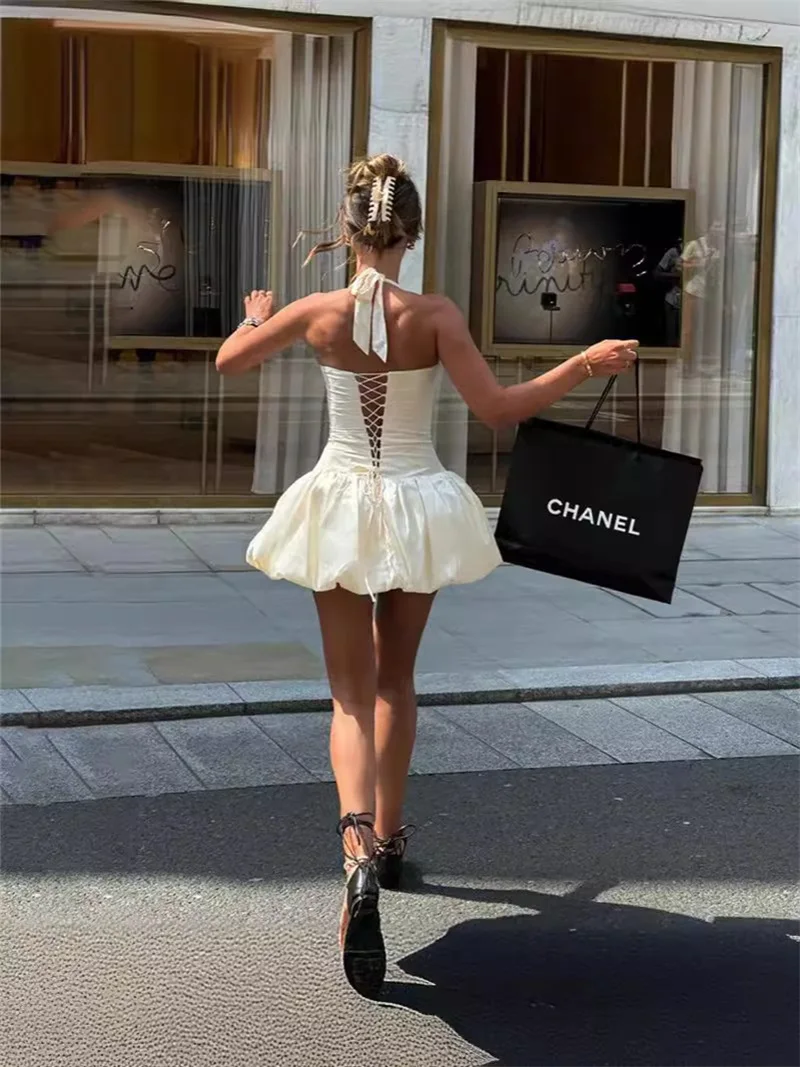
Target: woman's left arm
[[264, 334]]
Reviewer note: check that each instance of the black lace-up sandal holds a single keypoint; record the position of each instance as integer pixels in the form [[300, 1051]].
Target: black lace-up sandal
[[389, 852], [363, 951]]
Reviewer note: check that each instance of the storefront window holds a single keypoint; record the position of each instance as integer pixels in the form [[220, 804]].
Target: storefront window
[[166, 172], [577, 123]]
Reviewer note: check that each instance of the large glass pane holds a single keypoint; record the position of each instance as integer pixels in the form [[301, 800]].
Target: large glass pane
[[169, 175], [702, 136]]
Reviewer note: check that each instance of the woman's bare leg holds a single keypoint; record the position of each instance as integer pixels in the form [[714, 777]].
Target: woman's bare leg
[[347, 639], [400, 621], [346, 623]]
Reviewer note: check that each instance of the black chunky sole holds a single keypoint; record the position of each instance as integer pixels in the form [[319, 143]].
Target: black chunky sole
[[364, 955], [389, 871]]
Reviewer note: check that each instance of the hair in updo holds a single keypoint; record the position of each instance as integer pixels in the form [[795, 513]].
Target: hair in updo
[[405, 221]]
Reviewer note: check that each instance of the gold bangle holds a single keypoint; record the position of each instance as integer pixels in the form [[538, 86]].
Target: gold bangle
[[587, 365]]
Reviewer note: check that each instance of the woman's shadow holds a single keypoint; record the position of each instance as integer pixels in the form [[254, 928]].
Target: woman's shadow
[[584, 982]]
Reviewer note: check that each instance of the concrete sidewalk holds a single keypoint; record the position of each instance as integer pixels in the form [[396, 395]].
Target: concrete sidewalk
[[159, 622], [48, 766]]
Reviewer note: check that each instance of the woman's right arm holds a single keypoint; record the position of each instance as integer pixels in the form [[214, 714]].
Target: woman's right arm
[[499, 406]]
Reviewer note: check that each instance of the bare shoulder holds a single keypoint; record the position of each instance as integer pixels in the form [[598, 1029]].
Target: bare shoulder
[[325, 301], [317, 306], [447, 314]]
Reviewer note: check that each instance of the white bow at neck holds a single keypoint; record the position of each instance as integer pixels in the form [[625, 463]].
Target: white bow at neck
[[369, 317]]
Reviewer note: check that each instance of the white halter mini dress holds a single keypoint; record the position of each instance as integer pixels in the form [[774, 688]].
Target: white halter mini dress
[[378, 511]]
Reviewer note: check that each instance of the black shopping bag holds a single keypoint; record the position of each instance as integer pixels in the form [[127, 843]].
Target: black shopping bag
[[597, 508]]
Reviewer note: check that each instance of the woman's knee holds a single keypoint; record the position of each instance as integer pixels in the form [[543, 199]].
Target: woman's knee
[[396, 691], [355, 695]]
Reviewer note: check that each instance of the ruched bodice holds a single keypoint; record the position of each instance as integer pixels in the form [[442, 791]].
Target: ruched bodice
[[378, 511], [381, 423]]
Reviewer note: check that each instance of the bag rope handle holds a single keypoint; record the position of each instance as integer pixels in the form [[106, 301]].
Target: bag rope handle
[[604, 396]]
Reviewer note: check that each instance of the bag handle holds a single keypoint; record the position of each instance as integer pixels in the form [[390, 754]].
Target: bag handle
[[604, 395]]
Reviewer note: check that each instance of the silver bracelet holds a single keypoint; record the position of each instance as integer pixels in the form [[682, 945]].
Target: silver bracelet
[[251, 320]]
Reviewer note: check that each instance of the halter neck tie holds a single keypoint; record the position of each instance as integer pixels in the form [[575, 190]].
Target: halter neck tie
[[369, 319]]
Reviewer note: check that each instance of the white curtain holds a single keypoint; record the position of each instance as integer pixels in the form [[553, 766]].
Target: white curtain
[[310, 137], [454, 237], [716, 153]]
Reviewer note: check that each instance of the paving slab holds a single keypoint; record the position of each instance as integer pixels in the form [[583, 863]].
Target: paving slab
[[770, 712], [572, 643], [33, 771], [38, 625], [789, 591], [527, 739], [743, 542], [524, 619], [444, 653], [220, 549], [234, 662], [788, 525], [143, 588], [130, 760], [127, 549], [27, 667], [727, 637], [231, 753], [34, 550], [443, 748], [616, 732], [722, 571], [705, 726], [784, 629], [592, 605], [305, 737], [685, 605], [741, 599]]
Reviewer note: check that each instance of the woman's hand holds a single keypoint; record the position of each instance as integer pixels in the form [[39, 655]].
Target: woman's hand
[[258, 305], [609, 357]]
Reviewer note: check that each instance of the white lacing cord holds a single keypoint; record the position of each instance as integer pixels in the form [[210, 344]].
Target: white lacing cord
[[372, 391]]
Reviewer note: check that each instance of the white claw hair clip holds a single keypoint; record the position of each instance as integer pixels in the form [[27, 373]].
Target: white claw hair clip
[[387, 200], [381, 201], [375, 200]]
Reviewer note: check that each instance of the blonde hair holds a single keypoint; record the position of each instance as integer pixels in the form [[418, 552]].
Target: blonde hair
[[404, 222]]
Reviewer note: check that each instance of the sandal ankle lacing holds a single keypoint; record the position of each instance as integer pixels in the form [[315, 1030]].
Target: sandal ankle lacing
[[353, 821], [395, 844]]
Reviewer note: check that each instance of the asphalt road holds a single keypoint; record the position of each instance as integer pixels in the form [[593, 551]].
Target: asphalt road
[[579, 916]]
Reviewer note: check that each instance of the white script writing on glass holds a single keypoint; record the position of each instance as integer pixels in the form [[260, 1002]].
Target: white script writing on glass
[[618, 523]]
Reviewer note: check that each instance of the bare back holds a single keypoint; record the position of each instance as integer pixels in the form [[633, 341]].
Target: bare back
[[410, 327]]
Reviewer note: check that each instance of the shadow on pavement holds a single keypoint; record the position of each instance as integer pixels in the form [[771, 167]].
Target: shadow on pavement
[[570, 979], [582, 982]]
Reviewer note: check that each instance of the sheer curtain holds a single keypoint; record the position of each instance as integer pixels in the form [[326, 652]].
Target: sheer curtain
[[454, 238], [716, 153], [310, 137]]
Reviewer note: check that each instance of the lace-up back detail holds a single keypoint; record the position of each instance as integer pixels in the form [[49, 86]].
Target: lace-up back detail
[[378, 511], [372, 390]]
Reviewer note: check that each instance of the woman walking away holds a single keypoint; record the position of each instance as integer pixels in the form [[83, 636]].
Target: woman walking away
[[379, 525]]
